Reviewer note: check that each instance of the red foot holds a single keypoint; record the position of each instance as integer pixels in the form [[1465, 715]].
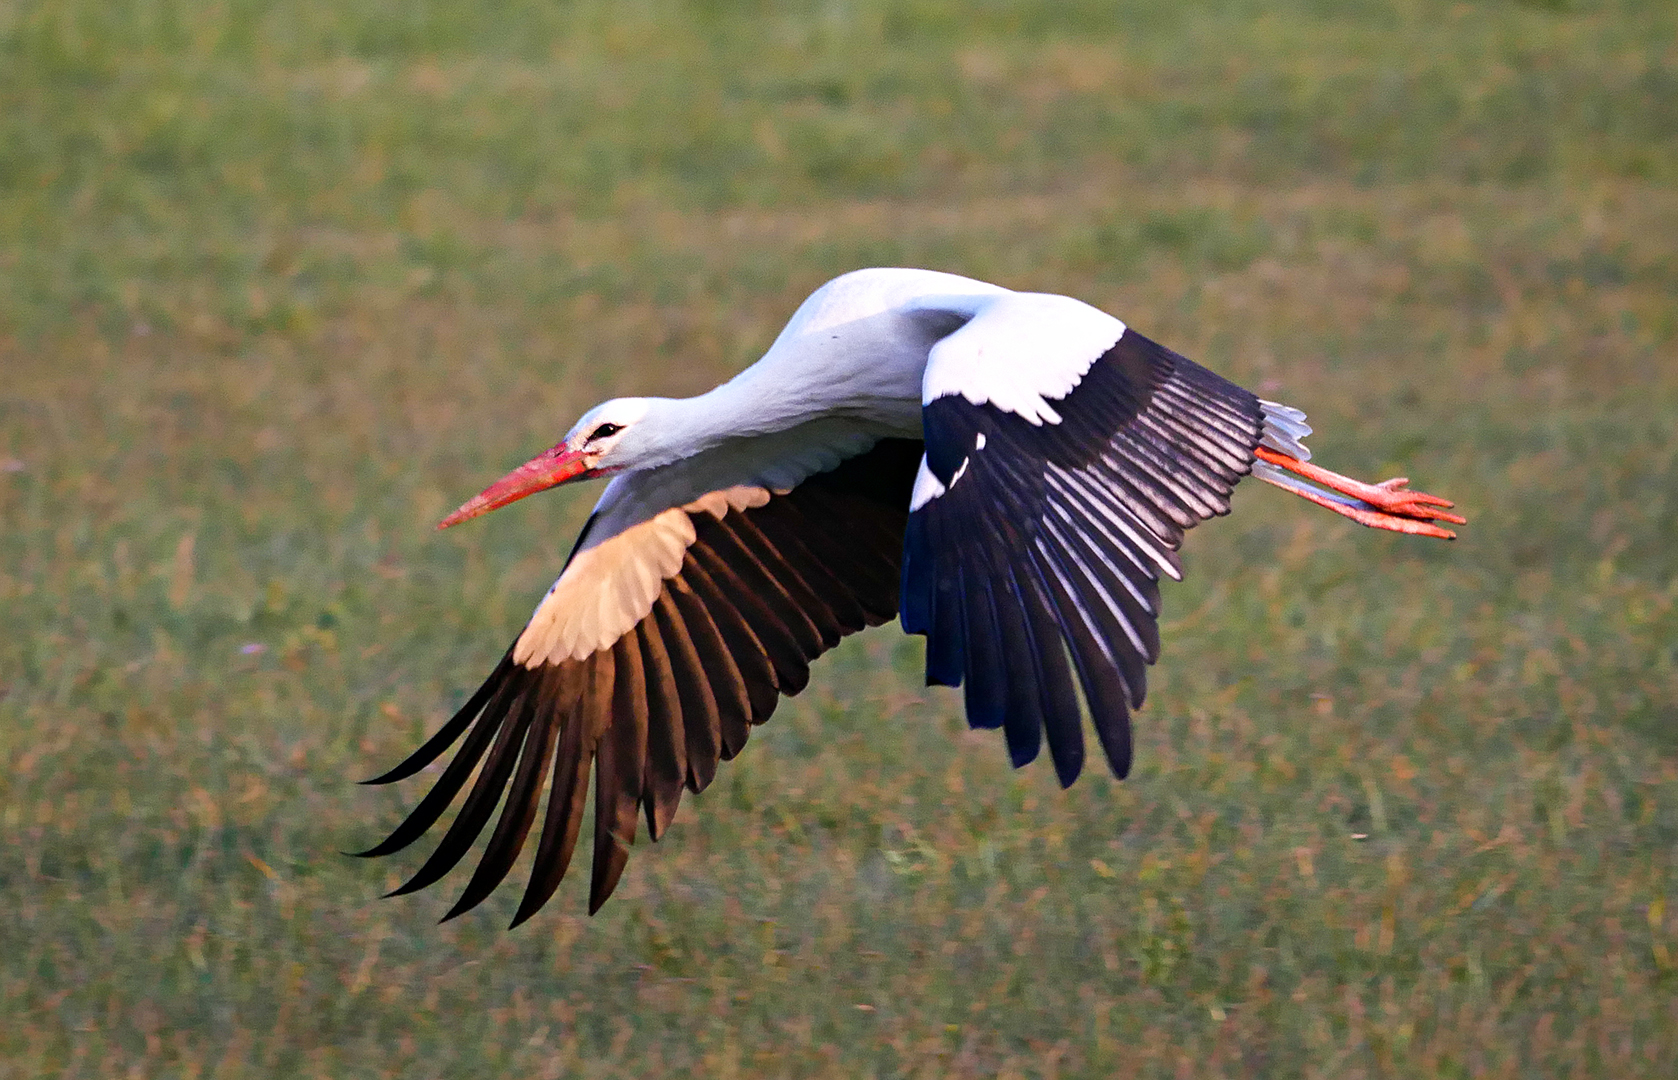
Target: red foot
[[1388, 505]]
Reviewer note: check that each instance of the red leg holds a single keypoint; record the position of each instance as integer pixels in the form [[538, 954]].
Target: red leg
[[1387, 505]]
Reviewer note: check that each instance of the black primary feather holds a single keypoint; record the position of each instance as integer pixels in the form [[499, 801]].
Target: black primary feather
[[1050, 537]]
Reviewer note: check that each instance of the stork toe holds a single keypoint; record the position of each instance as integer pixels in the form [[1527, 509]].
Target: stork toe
[[1393, 497]]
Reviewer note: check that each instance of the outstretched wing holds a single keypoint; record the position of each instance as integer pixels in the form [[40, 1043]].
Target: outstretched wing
[[650, 660], [1065, 457]]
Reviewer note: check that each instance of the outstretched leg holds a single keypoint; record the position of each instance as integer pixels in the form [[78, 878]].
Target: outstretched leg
[[1387, 505]]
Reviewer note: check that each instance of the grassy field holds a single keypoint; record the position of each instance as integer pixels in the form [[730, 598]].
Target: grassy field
[[280, 284]]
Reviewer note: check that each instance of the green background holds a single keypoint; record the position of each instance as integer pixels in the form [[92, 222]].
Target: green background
[[282, 283]]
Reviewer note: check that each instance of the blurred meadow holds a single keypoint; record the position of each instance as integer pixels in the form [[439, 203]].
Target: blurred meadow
[[282, 283]]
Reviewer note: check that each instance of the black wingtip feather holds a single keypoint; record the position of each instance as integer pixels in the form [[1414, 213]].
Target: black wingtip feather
[[1075, 521], [445, 736], [945, 642], [1022, 728], [915, 612], [563, 818], [508, 694], [1062, 721], [523, 794], [609, 864], [1098, 666], [480, 801], [986, 695], [767, 597]]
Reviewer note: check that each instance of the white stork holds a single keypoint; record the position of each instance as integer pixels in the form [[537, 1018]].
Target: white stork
[[1009, 472]]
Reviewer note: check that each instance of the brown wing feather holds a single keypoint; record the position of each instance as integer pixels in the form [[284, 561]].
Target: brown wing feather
[[748, 565], [518, 813], [744, 647], [666, 764], [618, 773], [701, 727], [779, 641], [728, 686], [762, 590], [565, 798]]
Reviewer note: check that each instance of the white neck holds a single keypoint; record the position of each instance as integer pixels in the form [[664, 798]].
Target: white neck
[[856, 348]]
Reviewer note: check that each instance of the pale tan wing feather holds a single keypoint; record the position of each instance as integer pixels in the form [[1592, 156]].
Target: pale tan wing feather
[[608, 588]]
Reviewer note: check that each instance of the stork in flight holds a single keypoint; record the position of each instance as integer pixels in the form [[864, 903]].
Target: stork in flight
[[1009, 473]]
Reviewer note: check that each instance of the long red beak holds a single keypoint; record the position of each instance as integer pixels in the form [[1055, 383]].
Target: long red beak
[[547, 469]]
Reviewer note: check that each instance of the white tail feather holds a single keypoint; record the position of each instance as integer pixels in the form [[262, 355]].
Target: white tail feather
[[1284, 432]]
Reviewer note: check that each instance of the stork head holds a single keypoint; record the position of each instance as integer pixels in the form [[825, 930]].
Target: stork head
[[608, 439]]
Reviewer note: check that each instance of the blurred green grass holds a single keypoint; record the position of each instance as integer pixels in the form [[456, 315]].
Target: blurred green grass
[[281, 283]]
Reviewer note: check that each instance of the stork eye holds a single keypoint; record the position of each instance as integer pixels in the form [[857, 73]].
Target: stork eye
[[604, 430]]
